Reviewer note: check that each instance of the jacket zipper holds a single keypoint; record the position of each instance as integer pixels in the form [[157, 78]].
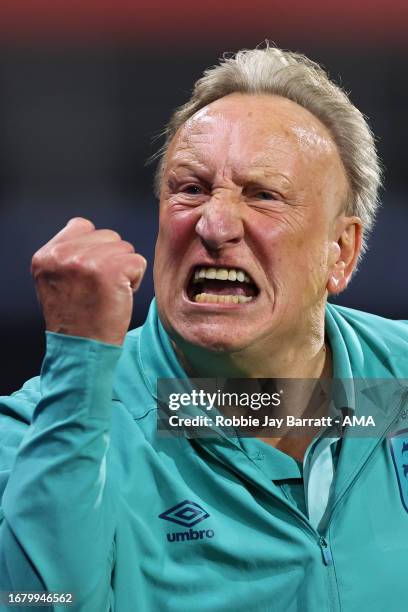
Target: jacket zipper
[[326, 552], [327, 560], [332, 586], [324, 543], [351, 483]]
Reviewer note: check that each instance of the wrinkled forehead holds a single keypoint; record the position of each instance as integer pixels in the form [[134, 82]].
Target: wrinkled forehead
[[253, 130]]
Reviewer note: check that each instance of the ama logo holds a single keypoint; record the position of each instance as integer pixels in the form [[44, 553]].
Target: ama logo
[[187, 513], [399, 452]]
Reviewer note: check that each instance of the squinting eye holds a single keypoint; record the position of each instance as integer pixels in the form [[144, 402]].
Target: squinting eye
[[192, 189], [265, 195]]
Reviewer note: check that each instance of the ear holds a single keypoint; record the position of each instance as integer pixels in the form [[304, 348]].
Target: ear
[[344, 253]]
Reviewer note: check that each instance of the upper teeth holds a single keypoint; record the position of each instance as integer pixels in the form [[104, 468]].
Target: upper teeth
[[232, 274]]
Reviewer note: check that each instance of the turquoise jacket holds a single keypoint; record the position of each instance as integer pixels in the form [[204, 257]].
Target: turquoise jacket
[[95, 503]]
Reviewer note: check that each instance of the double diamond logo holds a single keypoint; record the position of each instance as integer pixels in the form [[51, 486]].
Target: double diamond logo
[[186, 513]]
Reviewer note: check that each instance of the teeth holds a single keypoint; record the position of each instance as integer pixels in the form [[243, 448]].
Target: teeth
[[222, 299], [231, 274], [221, 274]]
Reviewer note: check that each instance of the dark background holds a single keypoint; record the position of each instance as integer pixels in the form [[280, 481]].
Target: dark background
[[85, 86]]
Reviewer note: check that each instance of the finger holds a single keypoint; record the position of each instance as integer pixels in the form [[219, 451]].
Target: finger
[[106, 250], [134, 267], [75, 227], [92, 239], [116, 260]]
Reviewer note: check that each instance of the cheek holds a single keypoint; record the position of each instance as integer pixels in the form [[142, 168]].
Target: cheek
[[176, 232], [297, 262], [317, 271], [170, 246], [280, 249]]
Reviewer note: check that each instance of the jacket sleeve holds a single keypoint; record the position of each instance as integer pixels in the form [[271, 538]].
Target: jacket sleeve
[[57, 512]]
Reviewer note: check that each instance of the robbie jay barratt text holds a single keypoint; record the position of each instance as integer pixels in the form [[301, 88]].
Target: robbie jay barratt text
[[289, 421]]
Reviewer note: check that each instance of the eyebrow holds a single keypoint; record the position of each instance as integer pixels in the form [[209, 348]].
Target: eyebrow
[[254, 174], [195, 167], [201, 171]]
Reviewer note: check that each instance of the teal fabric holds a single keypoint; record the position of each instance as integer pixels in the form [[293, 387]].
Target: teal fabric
[[319, 480], [310, 485], [85, 483], [282, 469]]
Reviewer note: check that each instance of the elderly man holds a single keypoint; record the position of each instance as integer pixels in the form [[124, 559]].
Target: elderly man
[[268, 187]]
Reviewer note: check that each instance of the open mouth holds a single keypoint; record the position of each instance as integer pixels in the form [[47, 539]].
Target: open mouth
[[221, 286]]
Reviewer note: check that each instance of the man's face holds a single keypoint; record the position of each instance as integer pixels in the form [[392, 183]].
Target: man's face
[[253, 185]]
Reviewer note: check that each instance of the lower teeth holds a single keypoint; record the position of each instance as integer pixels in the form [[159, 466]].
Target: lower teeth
[[222, 299]]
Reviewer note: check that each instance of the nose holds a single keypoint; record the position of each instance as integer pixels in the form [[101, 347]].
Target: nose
[[220, 224]]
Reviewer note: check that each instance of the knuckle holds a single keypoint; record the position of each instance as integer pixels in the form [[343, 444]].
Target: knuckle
[[64, 262], [36, 259], [109, 234], [45, 260], [75, 262], [36, 263], [114, 235], [129, 246], [81, 221], [56, 254], [142, 261], [79, 263]]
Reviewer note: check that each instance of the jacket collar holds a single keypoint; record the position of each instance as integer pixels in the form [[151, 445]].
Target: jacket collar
[[356, 355]]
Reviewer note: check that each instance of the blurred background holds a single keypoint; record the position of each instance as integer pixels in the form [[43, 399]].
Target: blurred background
[[86, 85]]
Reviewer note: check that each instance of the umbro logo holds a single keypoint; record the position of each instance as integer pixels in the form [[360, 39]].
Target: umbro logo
[[187, 513]]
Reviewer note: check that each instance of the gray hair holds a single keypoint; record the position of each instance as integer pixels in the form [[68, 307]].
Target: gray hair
[[294, 76]]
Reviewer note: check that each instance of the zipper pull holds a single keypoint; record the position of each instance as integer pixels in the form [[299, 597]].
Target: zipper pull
[[327, 556]]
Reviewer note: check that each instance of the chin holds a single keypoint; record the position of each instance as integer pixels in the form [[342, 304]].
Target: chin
[[211, 338]]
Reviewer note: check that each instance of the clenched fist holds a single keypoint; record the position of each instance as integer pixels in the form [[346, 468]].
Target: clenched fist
[[85, 279]]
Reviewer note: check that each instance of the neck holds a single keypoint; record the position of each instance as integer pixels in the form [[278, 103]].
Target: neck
[[307, 359]]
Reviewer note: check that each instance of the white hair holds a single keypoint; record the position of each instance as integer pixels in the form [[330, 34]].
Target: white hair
[[294, 76]]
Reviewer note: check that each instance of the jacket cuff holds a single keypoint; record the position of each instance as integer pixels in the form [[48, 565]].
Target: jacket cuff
[[77, 374]]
